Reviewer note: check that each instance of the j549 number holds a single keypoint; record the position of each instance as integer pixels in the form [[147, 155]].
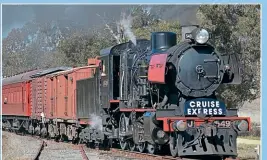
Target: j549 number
[[223, 124]]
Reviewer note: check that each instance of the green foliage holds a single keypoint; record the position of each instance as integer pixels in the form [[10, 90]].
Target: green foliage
[[236, 30], [171, 26], [76, 50], [145, 22]]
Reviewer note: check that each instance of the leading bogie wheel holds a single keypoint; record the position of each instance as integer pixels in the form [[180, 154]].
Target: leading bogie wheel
[[173, 144], [124, 121]]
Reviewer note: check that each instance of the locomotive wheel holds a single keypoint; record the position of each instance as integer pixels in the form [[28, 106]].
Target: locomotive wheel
[[43, 132], [91, 144], [31, 130], [141, 147], [123, 144], [106, 144], [122, 130], [75, 139], [48, 137], [151, 148], [37, 130], [131, 142], [173, 144], [69, 132], [131, 145]]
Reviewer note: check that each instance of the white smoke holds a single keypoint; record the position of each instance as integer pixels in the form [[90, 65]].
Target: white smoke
[[96, 122], [125, 25]]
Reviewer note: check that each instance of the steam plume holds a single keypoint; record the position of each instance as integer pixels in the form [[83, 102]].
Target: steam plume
[[96, 122], [125, 25]]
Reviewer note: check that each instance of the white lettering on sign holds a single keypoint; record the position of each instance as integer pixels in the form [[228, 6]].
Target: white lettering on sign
[[208, 107], [207, 111], [205, 104]]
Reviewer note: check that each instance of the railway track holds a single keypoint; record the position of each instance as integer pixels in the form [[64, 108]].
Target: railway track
[[147, 156], [39, 154], [84, 156], [42, 145], [78, 147], [112, 151], [144, 155]]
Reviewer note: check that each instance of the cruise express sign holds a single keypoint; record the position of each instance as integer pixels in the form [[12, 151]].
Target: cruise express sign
[[205, 106]]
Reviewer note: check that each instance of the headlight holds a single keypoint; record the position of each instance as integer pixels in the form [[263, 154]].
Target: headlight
[[179, 125], [243, 126], [202, 36]]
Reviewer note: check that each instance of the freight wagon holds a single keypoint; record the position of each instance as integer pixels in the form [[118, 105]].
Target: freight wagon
[[18, 100]]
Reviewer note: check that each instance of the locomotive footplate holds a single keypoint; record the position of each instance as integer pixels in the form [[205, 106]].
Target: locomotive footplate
[[194, 136]]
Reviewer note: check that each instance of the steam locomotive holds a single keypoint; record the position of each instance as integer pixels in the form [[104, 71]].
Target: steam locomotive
[[151, 95]]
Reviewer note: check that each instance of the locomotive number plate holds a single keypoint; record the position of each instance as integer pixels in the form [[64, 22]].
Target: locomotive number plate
[[223, 123]]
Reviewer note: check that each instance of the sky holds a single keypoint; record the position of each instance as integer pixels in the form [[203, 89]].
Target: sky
[[15, 16]]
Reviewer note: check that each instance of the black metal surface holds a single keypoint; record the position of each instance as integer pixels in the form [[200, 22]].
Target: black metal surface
[[118, 49], [88, 97], [105, 81], [197, 69], [161, 41], [118, 63], [129, 64], [235, 75], [192, 143]]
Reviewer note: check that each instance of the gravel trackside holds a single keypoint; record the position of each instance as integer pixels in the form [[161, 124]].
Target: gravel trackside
[[17, 147]]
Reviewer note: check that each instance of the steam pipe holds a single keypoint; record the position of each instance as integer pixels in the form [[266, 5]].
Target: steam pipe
[[164, 101]]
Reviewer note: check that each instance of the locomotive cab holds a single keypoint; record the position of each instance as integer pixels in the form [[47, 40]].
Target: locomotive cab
[[110, 64]]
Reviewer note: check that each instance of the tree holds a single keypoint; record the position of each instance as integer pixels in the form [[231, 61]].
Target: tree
[[31, 42], [236, 30], [170, 26], [75, 50]]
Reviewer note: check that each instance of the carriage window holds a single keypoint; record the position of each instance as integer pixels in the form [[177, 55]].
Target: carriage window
[[103, 66], [5, 101]]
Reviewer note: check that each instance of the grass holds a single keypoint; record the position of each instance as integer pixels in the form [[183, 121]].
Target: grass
[[246, 152], [250, 137]]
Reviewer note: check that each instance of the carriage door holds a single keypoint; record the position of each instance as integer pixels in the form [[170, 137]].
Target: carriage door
[[104, 81]]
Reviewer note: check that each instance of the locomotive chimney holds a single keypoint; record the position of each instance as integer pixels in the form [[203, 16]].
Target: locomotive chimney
[[187, 29], [162, 41]]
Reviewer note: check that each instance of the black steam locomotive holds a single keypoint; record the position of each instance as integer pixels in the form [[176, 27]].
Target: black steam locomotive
[[161, 92]]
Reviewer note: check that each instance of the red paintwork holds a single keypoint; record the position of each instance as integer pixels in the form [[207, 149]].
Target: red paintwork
[[156, 70], [167, 122], [15, 95], [85, 122], [39, 96], [61, 92], [114, 101], [94, 61], [16, 90]]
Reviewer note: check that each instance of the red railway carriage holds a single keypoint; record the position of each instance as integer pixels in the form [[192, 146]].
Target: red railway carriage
[[39, 89], [22, 97], [61, 92], [16, 95]]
